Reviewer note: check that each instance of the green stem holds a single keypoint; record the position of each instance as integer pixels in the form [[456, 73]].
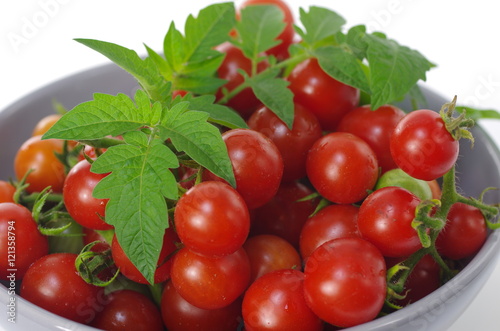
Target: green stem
[[52, 197]]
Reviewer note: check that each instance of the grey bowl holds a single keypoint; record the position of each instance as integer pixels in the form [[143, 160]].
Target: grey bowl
[[435, 312]]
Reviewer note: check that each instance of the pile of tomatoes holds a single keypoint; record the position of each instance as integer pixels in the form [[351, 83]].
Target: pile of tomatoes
[[319, 214]]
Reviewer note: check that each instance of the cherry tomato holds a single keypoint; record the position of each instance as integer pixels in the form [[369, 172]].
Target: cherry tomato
[[7, 191], [39, 155], [180, 315], [212, 219], [245, 102], [53, 283], [45, 124], [342, 167], [276, 301], [164, 260], [292, 144], [422, 146], [331, 222], [284, 215], [324, 96], [464, 233], [21, 243], [80, 204], [345, 281], [268, 252], [423, 279], [385, 218], [375, 127], [257, 165], [127, 310], [279, 51], [210, 282]]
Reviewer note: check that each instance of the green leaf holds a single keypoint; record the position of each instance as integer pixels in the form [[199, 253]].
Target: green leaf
[[103, 116], [274, 94], [190, 132], [218, 113], [343, 66], [319, 23], [477, 114], [258, 29], [199, 84], [145, 71], [173, 49], [394, 69], [139, 181]]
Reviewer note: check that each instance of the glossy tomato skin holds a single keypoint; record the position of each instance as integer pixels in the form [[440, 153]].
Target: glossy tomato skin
[[422, 146], [129, 270], [127, 310], [7, 191], [331, 222], [45, 124], [276, 301], [280, 51], [267, 252], [212, 219], [21, 243], [385, 218], [180, 315], [328, 99], [345, 281], [293, 144], [77, 194], [208, 282], [257, 165], [245, 102], [39, 155], [284, 215], [342, 167], [53, 283], [464, 233], [375, 127]]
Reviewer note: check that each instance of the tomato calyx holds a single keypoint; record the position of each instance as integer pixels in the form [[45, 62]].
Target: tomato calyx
[[459, 126], [94, 261]]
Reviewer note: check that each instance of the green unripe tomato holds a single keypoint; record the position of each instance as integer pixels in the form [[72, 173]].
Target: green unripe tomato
[[397, 177]]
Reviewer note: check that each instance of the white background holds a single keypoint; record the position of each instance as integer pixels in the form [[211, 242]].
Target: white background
[[36, 48]]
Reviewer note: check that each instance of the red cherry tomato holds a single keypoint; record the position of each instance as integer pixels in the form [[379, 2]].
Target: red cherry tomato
[[375, 127], [275, 301], [39, 155], [120, 314], [331, 222], [464, 233], [180, 315], [345, 281], [77, 193], [268, 252], [53, 283], [292, 144], [210, 282], [245, 102], [284, 215], [212, 219], [422, 146], [385, 218], [164, 260], [324, 96], [21, 243], [342, 167], [7, 191], [257, 165]]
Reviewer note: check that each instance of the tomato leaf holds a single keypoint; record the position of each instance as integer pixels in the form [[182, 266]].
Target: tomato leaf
[[319, 23], [137, 186], [103, 116], [274, 94], [144, 70], [190, 132], [477, 114], [258, 29]]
